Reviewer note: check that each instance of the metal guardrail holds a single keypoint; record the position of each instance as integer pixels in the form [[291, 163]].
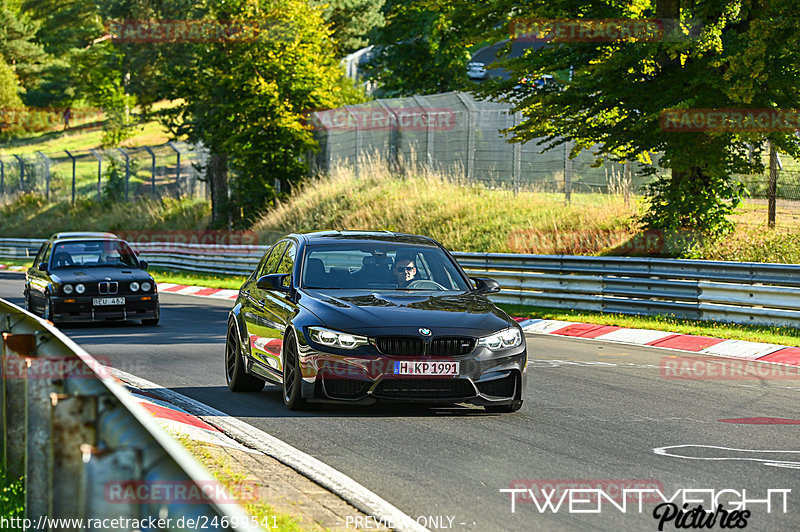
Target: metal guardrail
[[77, 436], [739, 292]]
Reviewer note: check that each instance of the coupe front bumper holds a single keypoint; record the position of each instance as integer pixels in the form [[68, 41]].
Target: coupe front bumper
[[365, 376], [83, 309]]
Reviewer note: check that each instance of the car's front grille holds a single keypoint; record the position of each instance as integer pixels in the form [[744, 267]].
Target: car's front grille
[[400, 345], [106, 287], [338, 388], [504, 387], [451, 346], [424, 389]]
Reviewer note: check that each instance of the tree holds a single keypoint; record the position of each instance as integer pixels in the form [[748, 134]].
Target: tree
[[739, 55], [351, 21], [246, 101], [9, 87], [420, 50], [18, 44]]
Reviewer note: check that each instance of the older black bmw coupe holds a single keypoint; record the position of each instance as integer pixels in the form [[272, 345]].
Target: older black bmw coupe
[[359, 317], [90, 277]]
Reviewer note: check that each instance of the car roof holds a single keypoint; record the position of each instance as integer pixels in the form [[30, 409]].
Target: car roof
[[82, 234], [330, 237]]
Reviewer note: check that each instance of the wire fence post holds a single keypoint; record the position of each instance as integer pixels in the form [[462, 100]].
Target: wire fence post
[[149, 150], [772, 189], [73, 174], [516, 158], [567, 173], [177, 164], [99, 171], [127, 170], [471, 128], [2, 178], [21, 172], [394, 130], [46, 160]]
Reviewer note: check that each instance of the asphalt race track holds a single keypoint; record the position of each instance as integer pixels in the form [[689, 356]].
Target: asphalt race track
[[594, 412]]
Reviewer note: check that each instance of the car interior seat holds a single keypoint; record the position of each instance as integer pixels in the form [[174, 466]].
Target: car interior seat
[[315, 274], [62, 259]]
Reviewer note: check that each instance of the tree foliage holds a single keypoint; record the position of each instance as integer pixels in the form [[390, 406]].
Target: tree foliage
[[352, 21], [9, 87], [740, 54]]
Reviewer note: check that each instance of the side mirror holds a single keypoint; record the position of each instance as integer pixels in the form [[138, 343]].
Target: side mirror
[[273, 281], [484, 285], [143, 264], [42, 266]]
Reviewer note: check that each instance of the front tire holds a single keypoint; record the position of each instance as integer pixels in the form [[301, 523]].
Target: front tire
[[292, 397], [47, 309], [238, 379]]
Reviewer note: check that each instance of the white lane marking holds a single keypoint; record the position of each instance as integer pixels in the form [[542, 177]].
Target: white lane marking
[[634, 336], [547, 326], [318, 471], [741, 349], [666, 451]]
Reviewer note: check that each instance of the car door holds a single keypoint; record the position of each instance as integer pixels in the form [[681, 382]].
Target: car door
[[264, 332], [39, 279], [280, 304]]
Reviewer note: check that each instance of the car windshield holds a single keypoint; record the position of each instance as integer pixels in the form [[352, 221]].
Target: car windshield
[[380, 266], [93, 253]]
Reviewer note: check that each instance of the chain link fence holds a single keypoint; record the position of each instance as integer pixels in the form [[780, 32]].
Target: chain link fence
[[174, 169], [460, 137]]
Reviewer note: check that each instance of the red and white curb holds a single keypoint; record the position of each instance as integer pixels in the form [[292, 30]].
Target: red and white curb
[[13, 268], [197, 291], [179, 422], [703, 345]]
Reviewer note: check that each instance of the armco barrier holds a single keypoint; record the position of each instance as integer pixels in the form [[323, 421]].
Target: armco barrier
[[740, 292], [75, 434]]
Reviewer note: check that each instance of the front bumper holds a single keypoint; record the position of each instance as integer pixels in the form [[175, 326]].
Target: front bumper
[[365, 376], [82, 308]]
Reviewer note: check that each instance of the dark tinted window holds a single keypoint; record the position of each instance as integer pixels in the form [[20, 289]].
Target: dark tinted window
[[274, 258], [367, 265], [287, 263], [93, 253]]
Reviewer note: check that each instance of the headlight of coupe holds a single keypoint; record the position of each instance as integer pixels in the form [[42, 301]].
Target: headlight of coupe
[[331, 338], [80, 288], [505, 339], [146, 286], [67, 289], [134, 286]]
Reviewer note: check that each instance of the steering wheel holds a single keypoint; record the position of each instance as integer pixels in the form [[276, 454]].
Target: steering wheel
[[422, 284]]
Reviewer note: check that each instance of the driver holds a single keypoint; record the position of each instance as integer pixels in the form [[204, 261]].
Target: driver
[[404, 271]]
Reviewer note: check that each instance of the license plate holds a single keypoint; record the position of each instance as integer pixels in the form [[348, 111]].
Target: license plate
[[104, 301], [429, 367]]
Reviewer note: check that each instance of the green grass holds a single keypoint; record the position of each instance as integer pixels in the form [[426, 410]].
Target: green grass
[[753, 333], [12, 497], [233, 482], [30, 216], [193, 279]]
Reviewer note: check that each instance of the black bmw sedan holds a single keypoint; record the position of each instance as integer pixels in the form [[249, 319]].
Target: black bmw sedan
[[79, 277], [359, 317]]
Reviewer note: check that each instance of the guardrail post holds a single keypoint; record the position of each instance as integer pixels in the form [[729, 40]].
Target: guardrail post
[[72, 158], [14, 408], [74, 424], [39, 384]]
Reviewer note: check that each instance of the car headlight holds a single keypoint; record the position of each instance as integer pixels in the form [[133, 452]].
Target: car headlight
[[80, 288], [505, 339], [146, 286], [67, 289], [134, 286], [331, 338]]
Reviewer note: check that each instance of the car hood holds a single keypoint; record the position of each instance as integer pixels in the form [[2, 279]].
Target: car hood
[[399, 312], [95, 274]]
